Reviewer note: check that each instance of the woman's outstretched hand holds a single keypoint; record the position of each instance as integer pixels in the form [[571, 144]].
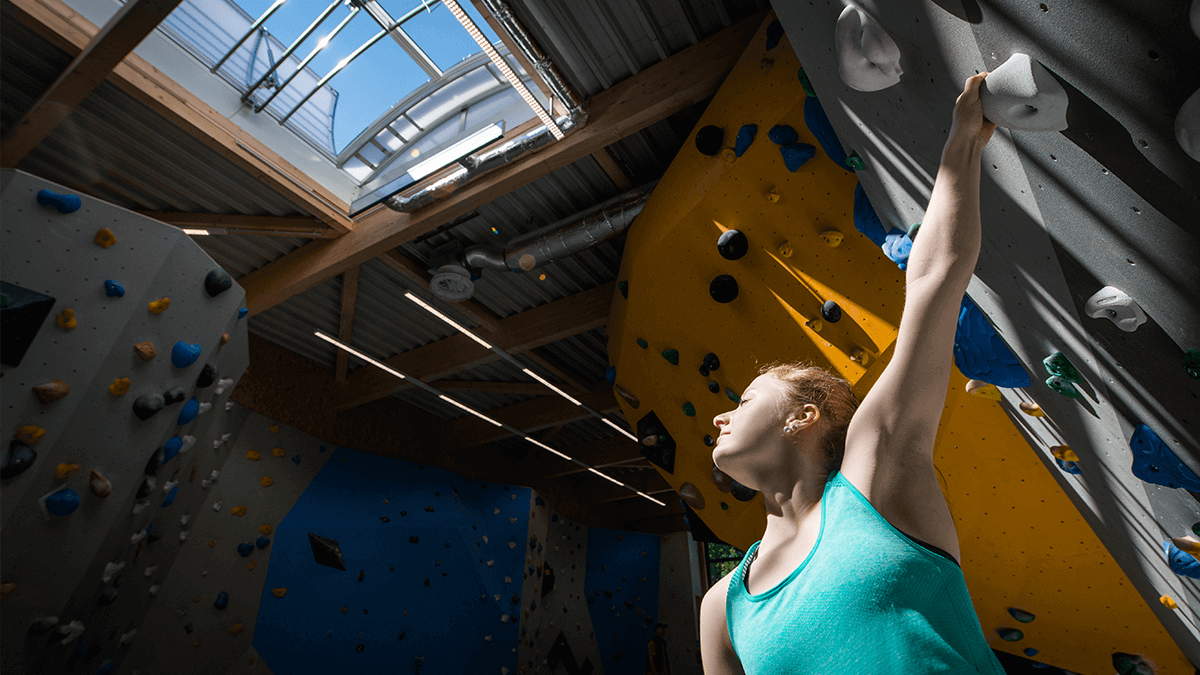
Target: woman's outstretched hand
[[969, 126]]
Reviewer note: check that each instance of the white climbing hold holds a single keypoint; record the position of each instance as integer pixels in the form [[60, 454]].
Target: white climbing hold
[[497, 597], [487, 638], [138, 507], [72, 630], [217, 507], [188, 442], [485, 539], [228, 406], [183, 520], [221, 385], [151, 570], [503, 670], [110, 569], [184, 535], [495, 512], [1187, 123], [204, 572], [1115, 305], [868, 58], [204, 407], [168, 485], [512, 545], [1021, 94], [507, 579], [45, 623], [217, 444], [126, 638], [154, 590], [151, 482], [138, 536], [204, 483], [213, 476], [226, 436], [504, 619]]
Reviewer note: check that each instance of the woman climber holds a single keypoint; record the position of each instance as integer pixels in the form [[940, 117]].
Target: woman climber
[[857, 571]]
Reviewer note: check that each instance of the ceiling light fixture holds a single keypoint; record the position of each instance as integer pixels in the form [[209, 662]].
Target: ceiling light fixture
[[480, 415], [364, 357], [447, 319], [516, 82], [455, 152], [560, 392]]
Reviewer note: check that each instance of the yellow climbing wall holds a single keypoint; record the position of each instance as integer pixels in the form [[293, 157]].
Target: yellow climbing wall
[[1024, 544]]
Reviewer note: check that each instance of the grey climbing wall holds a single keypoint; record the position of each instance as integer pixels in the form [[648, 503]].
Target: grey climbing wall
[[56, 562], [1110, 201]]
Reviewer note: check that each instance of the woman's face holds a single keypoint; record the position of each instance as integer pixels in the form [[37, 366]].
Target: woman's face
[[755, 422]]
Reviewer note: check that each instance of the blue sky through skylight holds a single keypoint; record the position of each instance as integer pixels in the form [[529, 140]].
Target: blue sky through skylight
[[384, 74]]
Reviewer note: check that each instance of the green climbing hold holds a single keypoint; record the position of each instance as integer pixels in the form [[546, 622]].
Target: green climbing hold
[[724, 506], [1058, 364], [853, 161], [1010, 634], [689, 409], [912, 232], [808, 89], [1191, 363], [1021, 615], [1196, 529], [1062, 386], [733, 396], [672, 356], [623, 286], [642, 343]]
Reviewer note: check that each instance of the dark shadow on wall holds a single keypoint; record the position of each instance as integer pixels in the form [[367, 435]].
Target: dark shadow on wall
[[967, 10]]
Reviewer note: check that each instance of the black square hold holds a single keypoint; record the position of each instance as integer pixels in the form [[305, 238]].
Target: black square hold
[[23, 311], [326, 551]]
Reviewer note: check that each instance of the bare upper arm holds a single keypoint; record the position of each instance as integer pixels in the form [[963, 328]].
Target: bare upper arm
[[716, 649]]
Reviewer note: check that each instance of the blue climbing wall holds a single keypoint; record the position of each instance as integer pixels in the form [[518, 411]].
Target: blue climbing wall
[[622, 595]]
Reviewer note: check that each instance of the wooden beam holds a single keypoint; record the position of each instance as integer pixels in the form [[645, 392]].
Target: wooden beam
[[534, 75], [278, 226], [605, 159], [346, 327], [60, 24], [108, 47], [516, 334], [654, 94], [528, 388], [412, 271]]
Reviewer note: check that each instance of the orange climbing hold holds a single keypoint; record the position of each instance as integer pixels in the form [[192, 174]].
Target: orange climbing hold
[[66, 319], [1031, 409], [63, 470], [253, 455], [983, 390], [1065, 453], [266, 481], [105, 237], [238, 511], [251, 565], [832, 238], [51, 391], [119, 387], [279, 592], [196, 598], [101, 486], [236, 629], [274, 428], [30, 434], [145, 350], [264, 529], [196, 643], [7, 589], [159, 306], [278, 452], [1167, 601], [212, 544], [224, 339]]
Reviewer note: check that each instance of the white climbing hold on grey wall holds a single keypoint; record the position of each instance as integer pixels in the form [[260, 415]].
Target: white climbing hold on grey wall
[[221, 385], [868, 58], [1021, 94], [110, 569], [1187, 122], [1115, 305], [72, 630]]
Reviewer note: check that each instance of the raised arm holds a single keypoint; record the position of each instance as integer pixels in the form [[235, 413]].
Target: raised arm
[[896, 424]]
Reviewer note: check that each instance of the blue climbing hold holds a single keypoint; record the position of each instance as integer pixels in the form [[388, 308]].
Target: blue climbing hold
[[1069, 467], [106, 668], [797, 155], [1183, 564], [113, 289], [745, 136], [184, 355], [63, 502], [189, 412], [1154, 462], [322, 448], [245, 549], [897, 246], [170, 498], [782, 134], [222, 600], [64, 203], [818, 123], [1030, 651], [611, 374], [866, 220], [171, 448], [296, 460], [774, 33], [262, 542], [1039, 664], [243, 312], [980, 354]]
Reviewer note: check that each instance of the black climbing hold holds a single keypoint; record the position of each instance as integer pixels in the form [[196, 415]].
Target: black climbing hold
[[144, 489], [797, 155], [207, 376], [774, 32], [623, 286], [642, 343], [362, 574], [360, 647], [672, 356], [1130, 664], [1191, 363], [745, 137], [782, 134], [704, 371], [711, 361], [714, 387], [326, 551], [384, 519], [173, 396], [709, 140], [741, 492], [18, 458], [709, 440], [733, 245], [147, 405], [414, 539], [151, 535], [217, 281], [831, 312], [21, 318], [656, 444], [723, 289]]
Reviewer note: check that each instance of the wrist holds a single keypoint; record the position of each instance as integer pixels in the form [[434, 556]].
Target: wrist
[[963, 149]]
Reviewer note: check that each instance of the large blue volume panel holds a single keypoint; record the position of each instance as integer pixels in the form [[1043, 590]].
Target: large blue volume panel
[[395, 564], [980, 353]]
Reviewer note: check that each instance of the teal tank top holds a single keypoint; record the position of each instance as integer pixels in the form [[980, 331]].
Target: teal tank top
[[866, 601]]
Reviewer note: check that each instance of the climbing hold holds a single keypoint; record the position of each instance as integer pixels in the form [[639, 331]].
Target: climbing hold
[[782, 134], [772, 196], [797, 155], [733, 395], [1020, 94], [119, 387], [278, 452], [853, 161], [51, 391], [983, 390], [173, 396], [1064, 452], [818, 123], [266, 481], [43, 625], [709, 140], [610, 374], [897, 247], [61, 502], [1010, 634], [815, 325], [225, 337], [7, 589], [222, 600], [159, 306], [296, 460], [689, 409], [105, 237], [642, 343], [832, 238], [72, 630], [190, 410], [265, 530], [1116, 306], [774, 33], [1155, 463], [1069, 467], [1187, 121], [327, 552], [714, 387], [868, 58], [672, 356], [207, 376], [66, 319], [1031, 409], [1030, 651], [111, 569], [1168, 602], [745, 136], [245, 549], [145, 350], [101, 486], [243, 312], [113, 289], [1022, 616], [1191, 363], [217, 281], [732, 245], [785, 249], [63, 470], [253, 455], [1187, 545], [723, 289], [251, 565], [1062, 386], [238, 511], [628, 397], [262, 542], [691, 495], [279, 592], [171, 494], [709, 440], [831, 312], [236, 629], [980, 354], [29, 434], [184, 355], [64, 203], [145, 406]]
